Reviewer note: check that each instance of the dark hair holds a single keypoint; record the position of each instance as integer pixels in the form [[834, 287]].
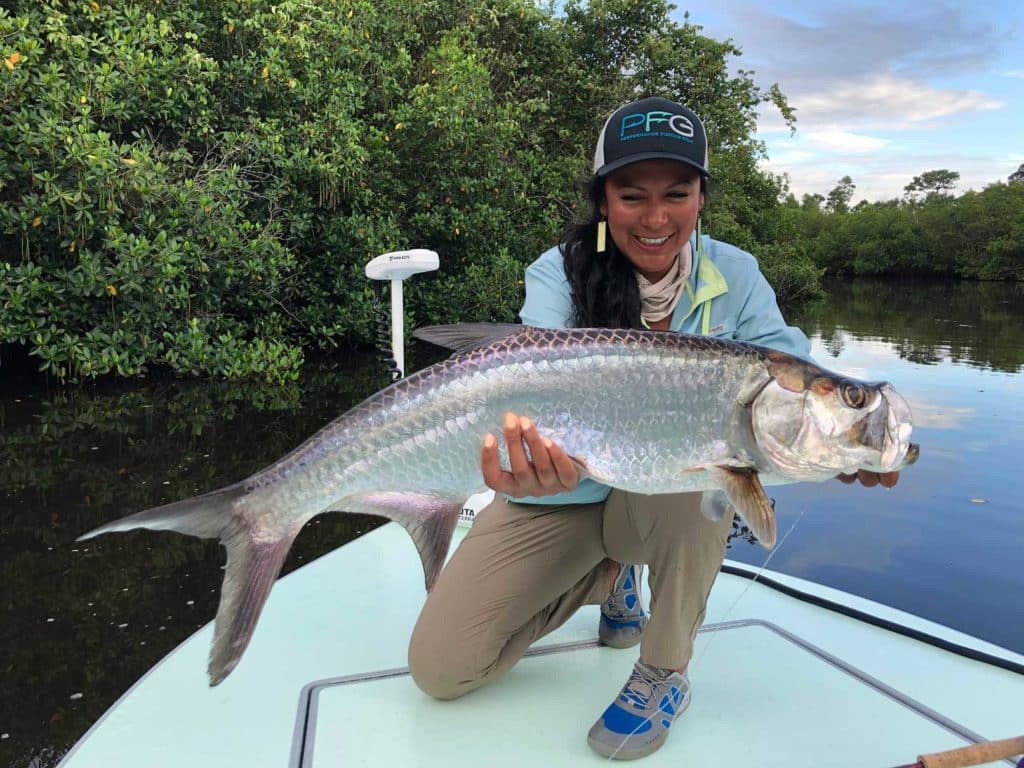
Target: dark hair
[[602, 285]]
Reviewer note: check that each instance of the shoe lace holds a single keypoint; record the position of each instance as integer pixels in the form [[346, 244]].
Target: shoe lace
[[642, 685]]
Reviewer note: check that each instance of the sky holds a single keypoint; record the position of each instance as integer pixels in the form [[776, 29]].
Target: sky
[[883, 91]]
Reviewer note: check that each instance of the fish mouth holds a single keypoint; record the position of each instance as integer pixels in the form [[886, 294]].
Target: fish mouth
[[913, 454], [897, 451], [886, 431]]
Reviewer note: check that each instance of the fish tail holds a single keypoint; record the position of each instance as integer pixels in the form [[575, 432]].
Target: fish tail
[[253, 562]]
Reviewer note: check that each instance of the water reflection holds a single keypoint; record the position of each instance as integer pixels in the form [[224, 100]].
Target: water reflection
[[928, 323], [82, 621], [91, 618]]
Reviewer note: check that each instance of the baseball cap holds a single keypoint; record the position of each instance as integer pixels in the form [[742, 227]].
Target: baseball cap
[[649, 129]]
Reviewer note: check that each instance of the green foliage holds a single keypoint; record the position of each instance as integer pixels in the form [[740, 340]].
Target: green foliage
[[838, 200], [979, 235], [196, 186], [929, 183]]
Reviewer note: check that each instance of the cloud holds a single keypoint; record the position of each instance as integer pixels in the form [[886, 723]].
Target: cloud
[[817, 44], [886, 102], [835, 140], [937, 416], [880, 89]]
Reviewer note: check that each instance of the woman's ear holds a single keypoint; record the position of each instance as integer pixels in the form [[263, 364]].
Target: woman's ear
[[603, 208]]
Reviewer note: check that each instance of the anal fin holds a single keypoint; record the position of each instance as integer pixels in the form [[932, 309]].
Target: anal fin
[[430, 521], [249, 575], [744, 490]]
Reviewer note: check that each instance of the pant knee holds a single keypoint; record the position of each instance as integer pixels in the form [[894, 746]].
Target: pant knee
[[433, 672]]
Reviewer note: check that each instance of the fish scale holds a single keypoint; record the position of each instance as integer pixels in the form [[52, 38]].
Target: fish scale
[[642, 411], [630, 440]]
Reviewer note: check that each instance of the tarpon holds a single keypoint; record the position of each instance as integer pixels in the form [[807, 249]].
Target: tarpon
[[643, 411]]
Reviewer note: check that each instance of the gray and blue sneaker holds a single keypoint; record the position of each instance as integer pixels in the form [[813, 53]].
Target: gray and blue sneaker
[[637, 722], [622, 615]]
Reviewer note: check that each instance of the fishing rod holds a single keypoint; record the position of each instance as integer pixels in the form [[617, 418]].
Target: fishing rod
[[976, 754]]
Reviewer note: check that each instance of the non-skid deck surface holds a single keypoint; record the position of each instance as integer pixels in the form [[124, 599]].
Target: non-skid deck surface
[[759, 697]]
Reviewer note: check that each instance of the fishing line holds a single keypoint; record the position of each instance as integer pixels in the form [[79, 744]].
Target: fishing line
[[713, 632], [746, 589]]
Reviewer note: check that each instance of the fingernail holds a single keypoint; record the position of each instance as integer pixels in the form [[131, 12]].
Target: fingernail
[[547, 443], [510, 421], [525, 422], [489, 440]]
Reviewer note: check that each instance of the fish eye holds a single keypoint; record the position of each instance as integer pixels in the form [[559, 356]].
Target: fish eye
[[854, 395]]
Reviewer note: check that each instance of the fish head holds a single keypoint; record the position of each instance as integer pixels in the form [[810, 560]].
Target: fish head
[[814, 424]]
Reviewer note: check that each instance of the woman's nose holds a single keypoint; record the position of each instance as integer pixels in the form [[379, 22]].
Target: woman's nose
[[655, 215]]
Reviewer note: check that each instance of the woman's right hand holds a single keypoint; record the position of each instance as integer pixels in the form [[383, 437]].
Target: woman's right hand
[[551, 471]]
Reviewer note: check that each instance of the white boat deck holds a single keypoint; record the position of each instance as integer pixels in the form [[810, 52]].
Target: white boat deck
[[779, 682]]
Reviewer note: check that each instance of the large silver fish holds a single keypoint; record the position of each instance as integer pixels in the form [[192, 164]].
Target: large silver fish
[[642, 411]]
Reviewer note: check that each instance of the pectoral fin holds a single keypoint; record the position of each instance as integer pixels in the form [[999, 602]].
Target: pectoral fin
[[430, 520], [745, 492]]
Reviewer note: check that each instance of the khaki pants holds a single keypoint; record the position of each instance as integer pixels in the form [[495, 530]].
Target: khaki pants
[[524, 569]]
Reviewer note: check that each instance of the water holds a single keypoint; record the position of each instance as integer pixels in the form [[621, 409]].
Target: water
[[946, 543], [79, 623]]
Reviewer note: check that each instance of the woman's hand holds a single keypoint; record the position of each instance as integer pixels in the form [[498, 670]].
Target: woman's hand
[[870, 479], [551, 470]]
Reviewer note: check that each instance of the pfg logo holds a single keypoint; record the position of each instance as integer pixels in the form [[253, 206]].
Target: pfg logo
[[655, 123]]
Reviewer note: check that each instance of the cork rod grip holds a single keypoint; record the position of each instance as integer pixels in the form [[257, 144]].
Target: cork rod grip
[[976, 754]]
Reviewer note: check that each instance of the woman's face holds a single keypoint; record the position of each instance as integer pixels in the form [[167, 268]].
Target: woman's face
[[652, 208]]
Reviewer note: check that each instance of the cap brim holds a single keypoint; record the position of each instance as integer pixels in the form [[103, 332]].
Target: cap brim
[[607, 168]]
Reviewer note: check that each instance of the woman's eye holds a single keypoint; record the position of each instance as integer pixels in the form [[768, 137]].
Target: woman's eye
[[854, 395]]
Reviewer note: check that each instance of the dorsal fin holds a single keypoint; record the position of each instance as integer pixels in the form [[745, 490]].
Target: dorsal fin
[[466, 336]]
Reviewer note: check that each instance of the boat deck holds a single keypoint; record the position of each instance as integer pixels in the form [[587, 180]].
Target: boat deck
[[777, 682]]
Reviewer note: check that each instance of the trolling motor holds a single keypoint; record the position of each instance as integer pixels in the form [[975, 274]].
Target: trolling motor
[[396, 266]]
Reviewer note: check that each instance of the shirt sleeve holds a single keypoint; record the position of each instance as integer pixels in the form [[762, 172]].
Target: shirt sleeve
[[761, 322], [548, 301]]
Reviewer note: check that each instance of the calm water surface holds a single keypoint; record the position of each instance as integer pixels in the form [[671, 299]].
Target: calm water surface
[[79, 623], [946, 543]]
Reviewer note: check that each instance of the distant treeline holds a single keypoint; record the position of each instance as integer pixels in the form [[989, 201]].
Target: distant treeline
[[978, 235]]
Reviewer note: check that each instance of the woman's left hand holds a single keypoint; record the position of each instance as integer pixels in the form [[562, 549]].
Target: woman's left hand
[[870, 479]]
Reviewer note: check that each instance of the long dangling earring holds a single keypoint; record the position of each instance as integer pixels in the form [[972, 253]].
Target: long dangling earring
[[602, 231]]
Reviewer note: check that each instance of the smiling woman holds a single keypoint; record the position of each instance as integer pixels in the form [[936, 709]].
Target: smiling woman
[[638, 262]]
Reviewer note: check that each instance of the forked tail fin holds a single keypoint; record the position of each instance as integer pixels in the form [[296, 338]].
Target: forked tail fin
[[252, 565]]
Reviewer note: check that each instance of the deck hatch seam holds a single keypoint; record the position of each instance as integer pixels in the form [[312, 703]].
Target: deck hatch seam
[[302, 744]]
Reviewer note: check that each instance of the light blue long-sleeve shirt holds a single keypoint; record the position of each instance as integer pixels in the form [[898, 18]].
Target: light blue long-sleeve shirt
[[726, 296]]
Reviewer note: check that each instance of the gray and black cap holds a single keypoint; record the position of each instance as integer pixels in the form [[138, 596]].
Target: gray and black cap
[[651, 129]]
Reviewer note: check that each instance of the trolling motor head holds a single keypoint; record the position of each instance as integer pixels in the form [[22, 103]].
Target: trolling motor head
[[398, 265]]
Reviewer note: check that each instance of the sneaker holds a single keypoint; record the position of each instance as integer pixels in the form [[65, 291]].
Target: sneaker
[[637, 722], [622, 615]]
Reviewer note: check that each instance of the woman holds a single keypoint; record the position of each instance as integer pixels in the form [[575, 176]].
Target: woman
[[551, 542]]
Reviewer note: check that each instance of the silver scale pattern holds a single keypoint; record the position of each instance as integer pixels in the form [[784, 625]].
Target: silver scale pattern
[[637, 407]]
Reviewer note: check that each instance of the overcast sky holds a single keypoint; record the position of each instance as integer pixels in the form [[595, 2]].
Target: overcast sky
[[883, 91]]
